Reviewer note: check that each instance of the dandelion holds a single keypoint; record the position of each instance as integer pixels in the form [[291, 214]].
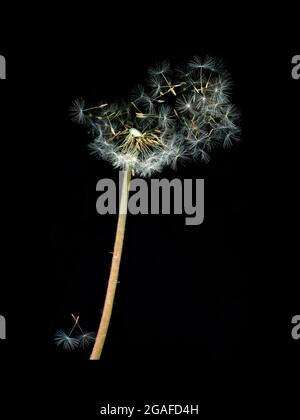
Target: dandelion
[[175, 116]]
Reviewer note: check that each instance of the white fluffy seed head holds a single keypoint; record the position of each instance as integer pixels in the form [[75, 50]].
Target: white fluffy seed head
[[169, 119]]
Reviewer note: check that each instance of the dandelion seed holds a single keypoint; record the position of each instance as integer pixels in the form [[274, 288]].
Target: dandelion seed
[[86, 338], [69, 342], [204, 156], [147, 103], [63, 339], [227, 141], [185, 104], [159, 69], [77, 111], [208, 63], [156, 85], [166, 120], [138, 93]]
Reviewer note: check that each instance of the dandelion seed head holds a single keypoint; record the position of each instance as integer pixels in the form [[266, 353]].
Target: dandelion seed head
[[174, 116]]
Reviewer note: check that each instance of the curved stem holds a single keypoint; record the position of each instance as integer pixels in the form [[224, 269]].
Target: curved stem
[[114, 271]]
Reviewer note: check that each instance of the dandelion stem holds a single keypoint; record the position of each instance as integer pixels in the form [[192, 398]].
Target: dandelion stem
[[114, 271]]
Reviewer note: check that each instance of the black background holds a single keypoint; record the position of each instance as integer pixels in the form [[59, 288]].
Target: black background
[[196, 305]]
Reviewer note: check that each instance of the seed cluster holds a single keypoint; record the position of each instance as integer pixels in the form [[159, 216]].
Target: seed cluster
[[175, 115]]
